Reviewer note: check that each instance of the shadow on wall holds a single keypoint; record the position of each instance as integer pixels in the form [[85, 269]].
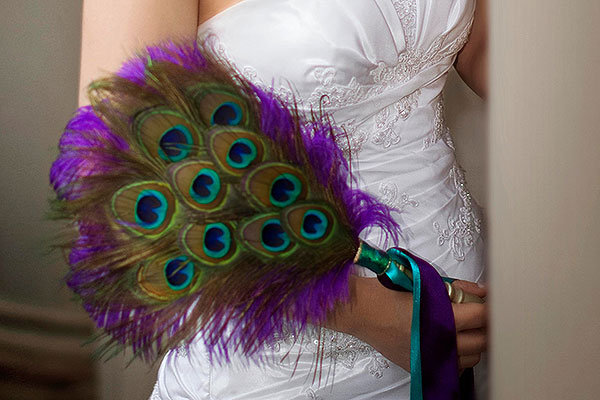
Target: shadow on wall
[[466, 116], [41, 354]]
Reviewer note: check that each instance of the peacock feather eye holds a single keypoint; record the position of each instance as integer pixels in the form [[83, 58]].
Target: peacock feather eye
[[236, 150], [285, 190], [211, 243], [167, 135], [206, 186], [167, 277], [179, 272], [175, 144], [312, 224], [145, 208], [150, 209], [227, 114], [218, 105], [217, 240], [276, 185], [199, 184], [242, 153], [265, 235], [273, 237]]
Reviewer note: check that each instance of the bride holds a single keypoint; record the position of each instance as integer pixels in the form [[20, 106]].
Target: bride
[[378, 67]]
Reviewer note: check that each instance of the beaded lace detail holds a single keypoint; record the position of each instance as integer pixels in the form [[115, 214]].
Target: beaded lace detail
[[385, 133], [414, 60], [383, 76], [182, 350], [462, 229], [389, 194], [312, 395], [155, 392], [332, 94], [407, 12], [336, 348], [283, 92], [346, 350], [440, 130], [352, 142]]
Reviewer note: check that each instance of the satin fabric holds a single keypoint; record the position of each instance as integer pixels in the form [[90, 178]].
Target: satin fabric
[[379, 66]]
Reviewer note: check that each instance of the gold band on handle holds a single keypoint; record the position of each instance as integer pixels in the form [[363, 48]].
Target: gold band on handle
[[357, 255], [457, 295], [387, 267]]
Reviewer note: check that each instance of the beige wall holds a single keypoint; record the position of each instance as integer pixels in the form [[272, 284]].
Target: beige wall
[[39, 65], [545, 199]]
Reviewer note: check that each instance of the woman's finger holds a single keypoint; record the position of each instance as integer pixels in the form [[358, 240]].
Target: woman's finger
[[471, 287], [469, 316], [468, 361], [471, 342]]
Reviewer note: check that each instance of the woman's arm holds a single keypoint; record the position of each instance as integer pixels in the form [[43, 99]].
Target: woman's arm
[[114, 29], [471, 63]]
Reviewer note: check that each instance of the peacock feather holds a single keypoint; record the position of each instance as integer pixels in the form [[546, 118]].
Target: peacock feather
[[203, 205]]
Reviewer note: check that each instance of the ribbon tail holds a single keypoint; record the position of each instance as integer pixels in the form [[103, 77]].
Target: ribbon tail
[[434, 365]]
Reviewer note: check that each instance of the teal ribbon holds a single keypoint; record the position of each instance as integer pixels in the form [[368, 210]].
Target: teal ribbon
[[382, 263], [416, 377]]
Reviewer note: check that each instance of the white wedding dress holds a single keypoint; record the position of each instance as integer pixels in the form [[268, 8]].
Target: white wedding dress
[[379, 66]]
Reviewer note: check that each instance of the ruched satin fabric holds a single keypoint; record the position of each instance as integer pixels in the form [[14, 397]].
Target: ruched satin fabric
[[379, 67]]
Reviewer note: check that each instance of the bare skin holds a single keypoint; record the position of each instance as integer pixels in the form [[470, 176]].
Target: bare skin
[[112, 28], [210, 8], [471, 62]]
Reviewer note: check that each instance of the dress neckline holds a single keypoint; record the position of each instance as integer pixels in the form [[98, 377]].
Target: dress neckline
[[204, 25]]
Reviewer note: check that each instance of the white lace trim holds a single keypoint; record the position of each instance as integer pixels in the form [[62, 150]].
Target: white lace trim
[[352, 142], [338, 348], [385, 121], [407, 12], [182, 350], [346, 350], [462, 229], [331, 94], [155, 392], [440, 130], [389, 194], [312, 395], [283, 92]]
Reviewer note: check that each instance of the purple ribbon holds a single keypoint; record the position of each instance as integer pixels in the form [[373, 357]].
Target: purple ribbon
[[439, 358]]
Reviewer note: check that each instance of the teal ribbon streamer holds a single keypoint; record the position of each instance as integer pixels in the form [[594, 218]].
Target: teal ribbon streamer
[[416, 378]]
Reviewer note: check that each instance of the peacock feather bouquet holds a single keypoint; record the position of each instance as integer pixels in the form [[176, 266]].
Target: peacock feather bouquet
[[204, 205]]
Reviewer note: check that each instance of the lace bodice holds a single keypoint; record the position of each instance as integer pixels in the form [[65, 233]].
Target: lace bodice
[[379, 67]]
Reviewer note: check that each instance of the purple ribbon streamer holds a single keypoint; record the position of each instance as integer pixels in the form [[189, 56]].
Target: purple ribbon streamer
[[439, 356]]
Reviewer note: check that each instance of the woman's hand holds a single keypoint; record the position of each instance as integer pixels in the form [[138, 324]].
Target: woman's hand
[[382, 318], [471, 326]]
